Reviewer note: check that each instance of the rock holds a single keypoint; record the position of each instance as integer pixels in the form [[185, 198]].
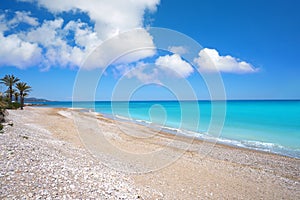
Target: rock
[[72, 187], [35, 165], [30, 195]]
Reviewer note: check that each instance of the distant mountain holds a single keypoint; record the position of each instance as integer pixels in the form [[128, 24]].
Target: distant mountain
[[33, 99]]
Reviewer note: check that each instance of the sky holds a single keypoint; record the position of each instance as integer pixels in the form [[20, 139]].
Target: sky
[[108, 50]]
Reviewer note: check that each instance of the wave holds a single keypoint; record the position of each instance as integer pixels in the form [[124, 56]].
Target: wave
[[138, 121], [123, 118], [143, 121], [271, 147], [249, 144]]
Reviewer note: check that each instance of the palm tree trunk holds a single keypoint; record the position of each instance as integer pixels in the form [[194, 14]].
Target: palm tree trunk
[[10, 93], [22, 103], [21, 100]]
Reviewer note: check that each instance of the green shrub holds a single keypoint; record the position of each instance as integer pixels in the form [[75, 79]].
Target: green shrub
[[13, 105], [3, 104], [1, 127]]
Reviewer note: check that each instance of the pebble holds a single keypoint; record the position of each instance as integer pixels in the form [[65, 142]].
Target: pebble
[[39, 166]]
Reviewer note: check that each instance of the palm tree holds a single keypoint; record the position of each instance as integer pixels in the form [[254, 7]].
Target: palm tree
[[23, 90], [9, 81], [14, 92], [16, 95]]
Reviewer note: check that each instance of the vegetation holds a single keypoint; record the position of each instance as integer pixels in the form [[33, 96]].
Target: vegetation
[[3, 105], [16, 95], [23, 91], [15, 89], [9, 81], [13, 105]]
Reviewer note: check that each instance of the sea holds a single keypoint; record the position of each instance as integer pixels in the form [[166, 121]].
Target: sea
[[264, 125]]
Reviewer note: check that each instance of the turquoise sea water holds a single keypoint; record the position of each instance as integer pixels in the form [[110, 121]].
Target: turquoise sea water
[[272, 126]]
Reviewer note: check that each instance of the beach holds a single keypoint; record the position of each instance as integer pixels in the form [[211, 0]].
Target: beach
[[49, 154]]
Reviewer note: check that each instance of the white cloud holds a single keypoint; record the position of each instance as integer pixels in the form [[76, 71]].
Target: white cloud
[[60, 47], [175, 65], [23, 17], [84, 36], [3, 25], [133, 46], [48, 34], [171, 66], [178, 49], [110, 16], [19, 17], [51, 36], [142, 71], [16, 52], [209, 60], [165, 67]]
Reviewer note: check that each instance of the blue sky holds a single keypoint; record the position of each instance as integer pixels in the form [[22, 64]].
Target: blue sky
[[253, 45]]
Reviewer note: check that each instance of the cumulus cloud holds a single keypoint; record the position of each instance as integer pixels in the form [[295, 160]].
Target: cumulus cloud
[[23, 17], [209, 60], [18, 17], [49, 43], [47, 34], [68, 43], [84, 36], [3, 25], [16, 52], [175, 65], [133, 46], [110, 16], [168, 66], [178, 49], [51, 36], [142, 71]]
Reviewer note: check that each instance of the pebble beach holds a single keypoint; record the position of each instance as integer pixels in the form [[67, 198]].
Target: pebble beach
[[42, 157]]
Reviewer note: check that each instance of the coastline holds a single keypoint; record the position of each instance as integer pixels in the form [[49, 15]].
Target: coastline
[[173, 131], [268, 133], [224, 172]]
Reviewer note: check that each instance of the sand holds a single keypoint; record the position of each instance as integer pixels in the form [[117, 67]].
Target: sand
[[163, 166]]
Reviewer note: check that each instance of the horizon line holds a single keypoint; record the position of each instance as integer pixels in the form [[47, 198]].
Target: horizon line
[[138, 100]]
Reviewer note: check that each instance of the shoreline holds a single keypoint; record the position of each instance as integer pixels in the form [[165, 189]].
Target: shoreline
[[182, 135], [224, 172], [183, 131], [216, 142]]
